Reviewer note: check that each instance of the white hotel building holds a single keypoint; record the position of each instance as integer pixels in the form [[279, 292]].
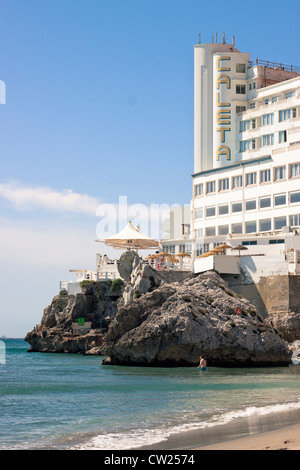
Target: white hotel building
[[246, 181]]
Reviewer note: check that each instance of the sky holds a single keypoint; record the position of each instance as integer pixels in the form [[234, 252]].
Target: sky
[[98, 115]]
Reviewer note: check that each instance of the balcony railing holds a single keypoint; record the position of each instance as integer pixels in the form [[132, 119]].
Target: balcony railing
[[274, 65]]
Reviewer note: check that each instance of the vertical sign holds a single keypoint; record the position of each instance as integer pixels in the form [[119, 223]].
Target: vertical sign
[[223, 108]]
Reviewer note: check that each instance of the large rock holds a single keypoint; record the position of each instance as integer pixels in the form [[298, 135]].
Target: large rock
[[178, 322], [56, 340], [127, 263], [287, 324], [96, 304]]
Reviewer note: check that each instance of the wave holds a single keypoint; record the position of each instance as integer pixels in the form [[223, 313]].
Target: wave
[[134, 439]]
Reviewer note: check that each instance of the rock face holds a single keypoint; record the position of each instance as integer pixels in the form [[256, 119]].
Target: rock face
[[56, 340], [287, 324], [148, 319], [97, 304], [176, 323]]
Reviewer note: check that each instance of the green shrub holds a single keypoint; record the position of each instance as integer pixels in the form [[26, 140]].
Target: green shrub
[[86, 283], [63, 292], [116, 285]]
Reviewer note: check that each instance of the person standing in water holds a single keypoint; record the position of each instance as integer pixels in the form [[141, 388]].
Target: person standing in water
[[202, 364]]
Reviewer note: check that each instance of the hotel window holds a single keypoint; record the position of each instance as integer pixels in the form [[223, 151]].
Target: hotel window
[[210, 231], [202, 248], [245, 145], [251, 205], [199, 213], [211, 187], [268, 119], [240, 109], [245, 125], [276, 242], [290, 94], [294, 198], [265, 176], [185, 248], [236, 228], [169, 249], [224, 184], [224, 210], [253, 123], [286, 114], [295, 220], [252, 105], [279, 223], [274, 99], [241, 68], [282, 137], [237, 182], [264, 202], [199, 190], [280, 173], [223, 229], [267, 139], [250, 179], [199, 233], [254, 85], [294, 170], [265, 225], [237, 207], [210, 212], [267, 101], [250, 243], [240, 89], [280, 200], [251, 227]]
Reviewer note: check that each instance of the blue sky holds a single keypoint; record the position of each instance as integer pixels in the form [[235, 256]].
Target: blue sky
[[99, 104]]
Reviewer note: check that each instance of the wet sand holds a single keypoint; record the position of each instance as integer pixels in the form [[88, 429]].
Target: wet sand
[[278, 430], [287, 438]]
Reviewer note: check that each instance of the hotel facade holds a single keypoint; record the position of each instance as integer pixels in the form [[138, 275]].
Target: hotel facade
[[246, 181]]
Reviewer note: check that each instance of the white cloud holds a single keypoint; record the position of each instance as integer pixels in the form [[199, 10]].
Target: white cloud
[[28, 198]]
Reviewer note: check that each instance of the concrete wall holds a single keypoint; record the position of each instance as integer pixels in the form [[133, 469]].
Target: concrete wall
[[221, 264]]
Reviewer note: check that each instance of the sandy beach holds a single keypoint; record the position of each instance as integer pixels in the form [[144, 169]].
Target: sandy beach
[[287, 438]]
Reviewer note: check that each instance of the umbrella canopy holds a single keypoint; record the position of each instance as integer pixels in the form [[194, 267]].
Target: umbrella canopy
[[206, 255], [162, 254], [225, 246], [239, 248], [218, 249], [173, 260], [183, 255], [130, 237]]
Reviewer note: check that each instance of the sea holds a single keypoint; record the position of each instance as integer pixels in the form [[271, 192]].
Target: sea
[[74, 402]]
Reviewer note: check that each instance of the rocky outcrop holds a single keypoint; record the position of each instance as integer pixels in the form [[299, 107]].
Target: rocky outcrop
[[287, 324], [176, 323], [56, 340], [96, 304], [148, 319]]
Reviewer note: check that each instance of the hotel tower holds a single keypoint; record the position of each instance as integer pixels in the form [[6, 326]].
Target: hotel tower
[[246, 181]]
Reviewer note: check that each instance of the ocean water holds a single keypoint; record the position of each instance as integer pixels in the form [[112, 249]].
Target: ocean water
[[63, 401]]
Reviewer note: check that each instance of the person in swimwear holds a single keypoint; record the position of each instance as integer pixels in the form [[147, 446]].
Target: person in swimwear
[[202, 364]]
